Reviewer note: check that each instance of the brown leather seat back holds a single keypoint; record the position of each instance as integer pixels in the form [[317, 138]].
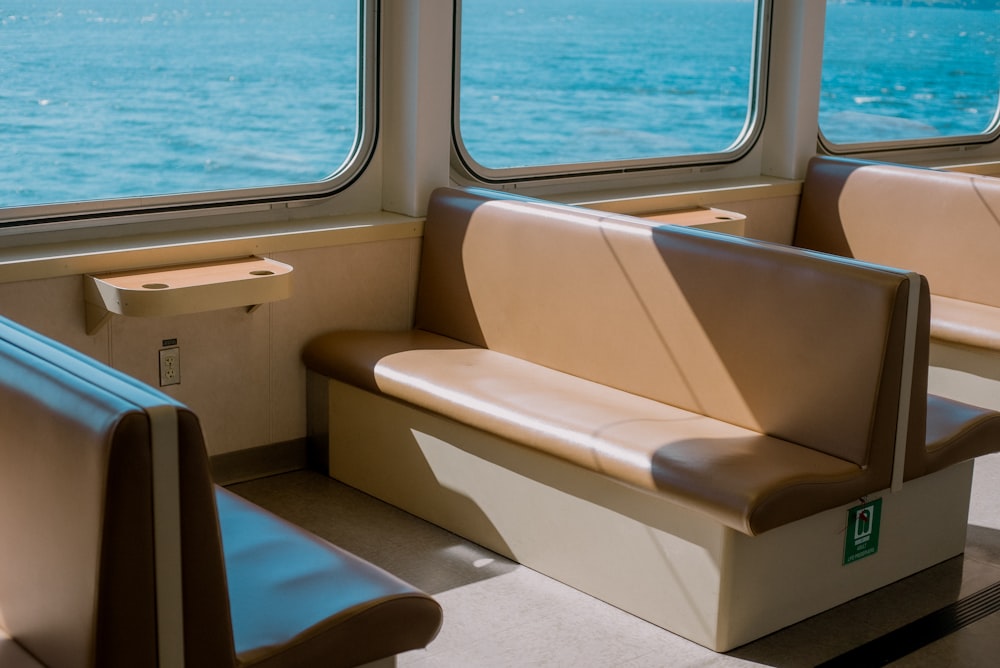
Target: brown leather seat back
[[68, 483], [785, 342], [76, 514]]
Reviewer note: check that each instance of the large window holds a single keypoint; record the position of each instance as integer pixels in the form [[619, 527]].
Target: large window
[[104, 99], [592, 82], [916, 72]]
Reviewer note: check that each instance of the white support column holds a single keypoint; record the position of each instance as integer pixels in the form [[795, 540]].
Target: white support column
[[416, 101], [796, 61]]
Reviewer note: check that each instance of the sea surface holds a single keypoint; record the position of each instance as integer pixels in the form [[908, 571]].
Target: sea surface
[[126, 98]]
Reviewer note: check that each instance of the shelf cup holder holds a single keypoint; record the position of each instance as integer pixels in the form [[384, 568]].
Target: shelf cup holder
[[163, 291]]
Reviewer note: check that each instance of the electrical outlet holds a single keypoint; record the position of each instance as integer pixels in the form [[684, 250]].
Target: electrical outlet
[[170, 366]]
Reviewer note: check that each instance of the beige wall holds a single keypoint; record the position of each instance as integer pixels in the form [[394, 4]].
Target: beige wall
[[240, 372]]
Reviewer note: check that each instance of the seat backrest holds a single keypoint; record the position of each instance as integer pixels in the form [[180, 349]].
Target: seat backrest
[[81, 494], [811, 348], [943, 225]]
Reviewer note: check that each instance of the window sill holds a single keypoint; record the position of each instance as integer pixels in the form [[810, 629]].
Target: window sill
[[684, 196], [49, 260], [138, 251]]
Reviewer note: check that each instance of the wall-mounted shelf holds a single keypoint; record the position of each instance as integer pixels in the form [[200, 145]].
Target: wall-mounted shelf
[[717, 220], [191, 288]]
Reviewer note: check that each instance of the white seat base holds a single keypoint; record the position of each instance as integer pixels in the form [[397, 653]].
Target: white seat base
[[633, 549]]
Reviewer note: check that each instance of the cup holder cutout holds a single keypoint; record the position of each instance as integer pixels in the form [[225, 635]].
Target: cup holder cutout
[[155, 286], [262, 272]]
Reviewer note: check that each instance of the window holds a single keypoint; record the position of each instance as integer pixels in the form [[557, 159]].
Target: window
[[105, 99], [909, 71], [592, 82]]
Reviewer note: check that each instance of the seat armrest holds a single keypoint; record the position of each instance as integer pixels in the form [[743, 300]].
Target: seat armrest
[[287, 585]]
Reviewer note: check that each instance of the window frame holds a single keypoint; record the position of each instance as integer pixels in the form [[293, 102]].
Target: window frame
[[137, 209], [959, 142], [467, 167]]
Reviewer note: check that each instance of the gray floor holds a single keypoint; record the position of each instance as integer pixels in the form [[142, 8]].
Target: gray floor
[[498, 613]]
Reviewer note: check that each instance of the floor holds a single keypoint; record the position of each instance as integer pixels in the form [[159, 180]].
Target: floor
[[500, 614]]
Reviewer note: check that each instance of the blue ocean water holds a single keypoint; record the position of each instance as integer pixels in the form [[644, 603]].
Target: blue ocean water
[[126, 98], [902, 71], [116, 98], [563, 81]]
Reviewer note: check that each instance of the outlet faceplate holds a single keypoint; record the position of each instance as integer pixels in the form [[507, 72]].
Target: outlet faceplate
[[170, 366]]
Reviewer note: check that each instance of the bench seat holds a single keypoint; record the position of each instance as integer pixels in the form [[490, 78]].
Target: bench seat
[[677, 422], [117, 550], [938, 223]]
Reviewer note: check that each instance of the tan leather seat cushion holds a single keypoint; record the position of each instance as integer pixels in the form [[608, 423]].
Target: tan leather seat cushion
[[740, 477], [965, 322]]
